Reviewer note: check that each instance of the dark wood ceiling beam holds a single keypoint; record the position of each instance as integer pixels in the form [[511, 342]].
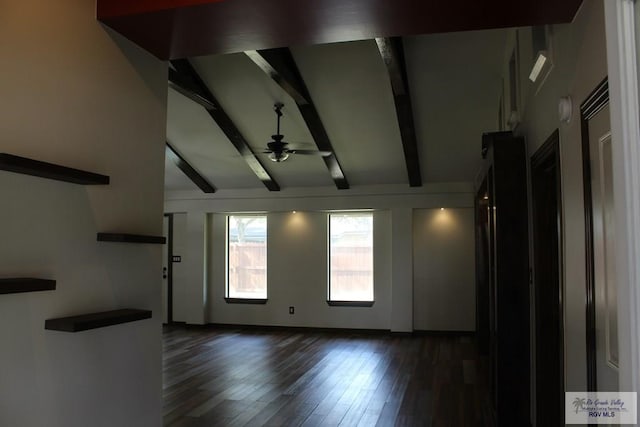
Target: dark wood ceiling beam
[[392, 53], [181, 84], [282, 77], [189, 171], [193, 82], [281, 67]]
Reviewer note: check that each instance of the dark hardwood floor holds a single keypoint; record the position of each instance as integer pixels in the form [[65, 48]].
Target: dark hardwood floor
[[246, 377]]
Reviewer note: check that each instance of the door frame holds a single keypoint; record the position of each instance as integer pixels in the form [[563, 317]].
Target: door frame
[[169, 262], [621, 30], [550, 151], [482, 268], [593, 104]]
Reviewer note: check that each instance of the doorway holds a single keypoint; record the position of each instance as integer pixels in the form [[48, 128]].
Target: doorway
[[547, 280]]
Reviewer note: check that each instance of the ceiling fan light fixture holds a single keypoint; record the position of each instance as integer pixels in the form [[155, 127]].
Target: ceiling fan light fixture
[[278, 157]]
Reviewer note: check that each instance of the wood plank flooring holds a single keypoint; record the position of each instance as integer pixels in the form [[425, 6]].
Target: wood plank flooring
[[246, 377]]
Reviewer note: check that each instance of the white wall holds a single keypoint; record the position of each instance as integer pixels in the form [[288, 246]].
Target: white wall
[[297, 254], [402, 270], [444, 270], [194, 290], [75, 95], [297, 276], [579, 56]]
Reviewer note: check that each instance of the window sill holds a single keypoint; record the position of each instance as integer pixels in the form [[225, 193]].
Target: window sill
[[350, 303], [246, 300]]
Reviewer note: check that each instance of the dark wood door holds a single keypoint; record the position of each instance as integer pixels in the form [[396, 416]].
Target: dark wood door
[[547, 241]]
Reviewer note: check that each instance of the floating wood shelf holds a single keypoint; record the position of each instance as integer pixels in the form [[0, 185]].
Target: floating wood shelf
[[26, 166], [131, 238], [96, 320], [15, 286]]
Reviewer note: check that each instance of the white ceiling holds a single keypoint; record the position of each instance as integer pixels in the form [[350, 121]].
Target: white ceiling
[[455, 84]]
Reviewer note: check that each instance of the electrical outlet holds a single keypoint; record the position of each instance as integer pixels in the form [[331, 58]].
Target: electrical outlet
[[292, 310]]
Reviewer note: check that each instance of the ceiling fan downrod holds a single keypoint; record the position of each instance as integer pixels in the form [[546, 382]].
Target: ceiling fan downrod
[[278, 108]]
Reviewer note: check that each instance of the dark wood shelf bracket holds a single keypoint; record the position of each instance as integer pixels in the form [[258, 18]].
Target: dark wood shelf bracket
[[23, 165], [131, 238], [21, 285], [96, 320]]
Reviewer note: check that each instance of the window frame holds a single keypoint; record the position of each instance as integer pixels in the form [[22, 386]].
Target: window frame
[[240, 300], [351, 303]]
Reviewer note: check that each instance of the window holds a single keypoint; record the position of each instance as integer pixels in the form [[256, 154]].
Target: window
[[246, 258], [351, 258], [542, 54]]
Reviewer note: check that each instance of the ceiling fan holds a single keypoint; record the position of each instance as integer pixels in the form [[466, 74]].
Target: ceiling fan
[[278, 149]]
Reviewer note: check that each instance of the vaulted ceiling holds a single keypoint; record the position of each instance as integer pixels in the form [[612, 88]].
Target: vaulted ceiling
[[393, 110], [351, 89]]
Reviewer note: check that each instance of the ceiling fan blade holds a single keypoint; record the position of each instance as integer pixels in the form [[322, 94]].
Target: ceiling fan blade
[[311, 152], [302, 145]]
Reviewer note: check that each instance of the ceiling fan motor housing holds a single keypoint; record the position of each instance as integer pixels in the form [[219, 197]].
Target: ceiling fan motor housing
[[277, 144]]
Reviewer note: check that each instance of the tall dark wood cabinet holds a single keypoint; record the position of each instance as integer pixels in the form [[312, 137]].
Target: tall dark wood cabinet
[[502, 276]]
